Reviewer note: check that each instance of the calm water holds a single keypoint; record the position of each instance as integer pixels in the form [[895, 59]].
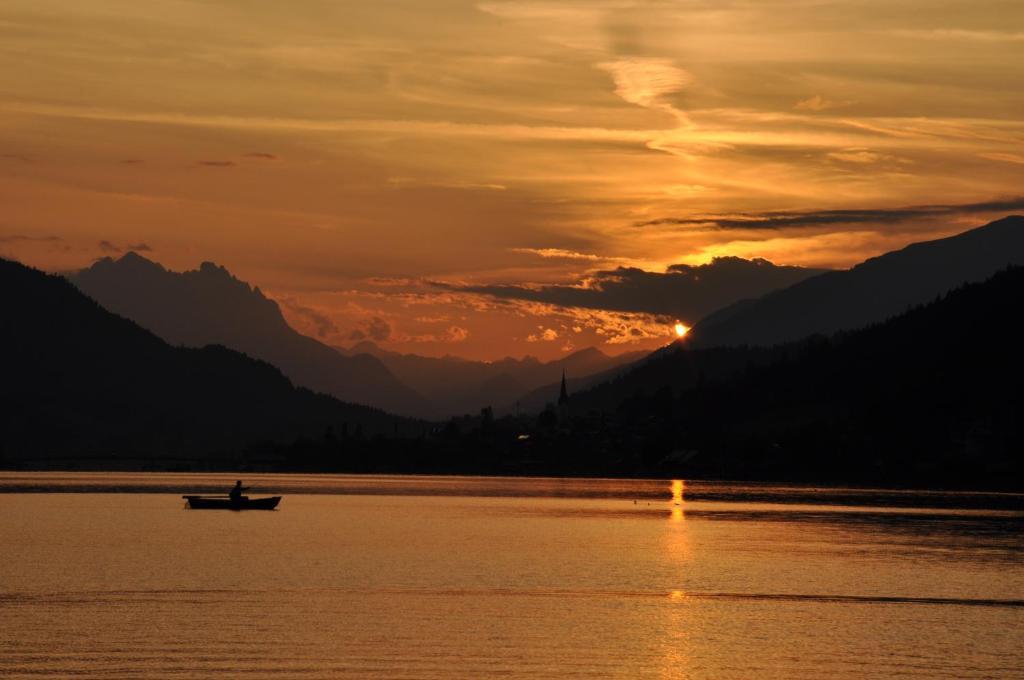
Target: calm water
[[399, 577]]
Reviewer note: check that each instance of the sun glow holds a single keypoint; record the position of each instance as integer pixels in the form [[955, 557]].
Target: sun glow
[[681, 329], [677, 499]]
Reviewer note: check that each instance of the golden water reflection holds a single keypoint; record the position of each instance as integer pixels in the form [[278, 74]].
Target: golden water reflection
[[677, 500], [443, 578]]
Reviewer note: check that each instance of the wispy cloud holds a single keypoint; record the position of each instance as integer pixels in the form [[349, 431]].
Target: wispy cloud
[[817, 103], [820, 218], [562, 254], [960, 34], [450, 335], [647, 81], [708, 130], [777, 129], [111, 248], [449, 184], [861, 156], [21, 238], [1005, 157]]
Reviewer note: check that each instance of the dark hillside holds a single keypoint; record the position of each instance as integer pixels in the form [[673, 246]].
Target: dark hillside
[[79, 382]]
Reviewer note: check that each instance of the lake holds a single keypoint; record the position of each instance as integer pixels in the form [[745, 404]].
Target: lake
[[106, 575]]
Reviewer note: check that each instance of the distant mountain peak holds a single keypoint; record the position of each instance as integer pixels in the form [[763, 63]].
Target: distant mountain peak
[[136, 286], [130, 261], [132, 257], [218, 277], [208, 267], [364, 347], [210, 306]]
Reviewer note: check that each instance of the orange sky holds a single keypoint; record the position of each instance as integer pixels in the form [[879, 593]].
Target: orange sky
[[345, 155]]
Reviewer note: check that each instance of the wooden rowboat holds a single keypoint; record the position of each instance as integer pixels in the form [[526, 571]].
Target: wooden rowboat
[[223, 503]]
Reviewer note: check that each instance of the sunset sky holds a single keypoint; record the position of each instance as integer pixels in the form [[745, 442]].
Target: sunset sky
[[377, 166]]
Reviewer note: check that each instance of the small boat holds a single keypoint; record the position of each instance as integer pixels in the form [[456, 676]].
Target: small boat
[[225, 503]]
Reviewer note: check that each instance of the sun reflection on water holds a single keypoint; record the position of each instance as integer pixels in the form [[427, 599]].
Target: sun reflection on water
[[677, 500]]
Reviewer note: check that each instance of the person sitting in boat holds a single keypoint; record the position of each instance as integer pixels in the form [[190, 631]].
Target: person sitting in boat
[[236, 493]]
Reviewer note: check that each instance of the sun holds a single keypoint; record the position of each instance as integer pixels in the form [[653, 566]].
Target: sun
[[681, 329]]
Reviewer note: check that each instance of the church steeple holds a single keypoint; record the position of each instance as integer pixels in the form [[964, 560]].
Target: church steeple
[[563, 402]]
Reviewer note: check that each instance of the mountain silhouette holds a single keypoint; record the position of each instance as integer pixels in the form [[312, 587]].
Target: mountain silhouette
[[82, 383], [675, 367], [869, 292], [458, 386], [209, 306], [928, 397], [540, 397]]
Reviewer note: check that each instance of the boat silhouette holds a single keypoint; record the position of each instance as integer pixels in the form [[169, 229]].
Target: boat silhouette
[[227, 503]]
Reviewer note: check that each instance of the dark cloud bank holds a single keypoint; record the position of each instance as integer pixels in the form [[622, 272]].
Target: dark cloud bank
[[816, 218], [686, 292]]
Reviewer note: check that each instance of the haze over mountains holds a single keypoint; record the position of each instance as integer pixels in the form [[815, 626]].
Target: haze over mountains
[[927, 394], [209, 306], [81, 383], [869, 292], [461, 386]]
